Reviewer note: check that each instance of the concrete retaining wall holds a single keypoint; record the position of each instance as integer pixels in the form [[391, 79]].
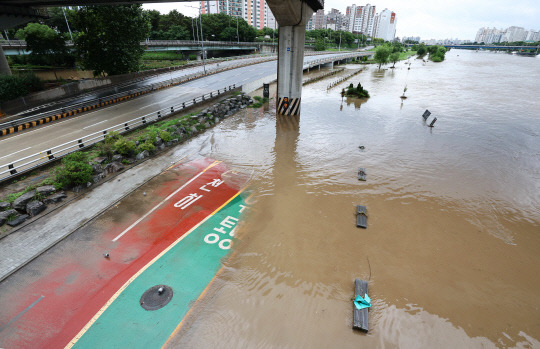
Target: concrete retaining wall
[[257, 84]]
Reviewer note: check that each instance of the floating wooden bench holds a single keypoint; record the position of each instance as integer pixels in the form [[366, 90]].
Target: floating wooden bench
[[361, 174], [360, 316], [361, 216]]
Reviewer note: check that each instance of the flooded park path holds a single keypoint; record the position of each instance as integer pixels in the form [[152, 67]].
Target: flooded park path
[[451, 248]]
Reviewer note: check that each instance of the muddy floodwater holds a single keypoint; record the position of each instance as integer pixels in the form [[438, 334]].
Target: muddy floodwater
[[452, 248]]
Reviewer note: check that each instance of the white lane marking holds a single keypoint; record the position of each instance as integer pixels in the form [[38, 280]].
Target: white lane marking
[[21, 313], [97, 123], [158, 205], [5, 156], [24, 134]]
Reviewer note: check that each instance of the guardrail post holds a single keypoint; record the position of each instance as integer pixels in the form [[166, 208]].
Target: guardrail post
[[210, 94], [218, 92], [194, 101], [50, 155], [172, 109], [202, 97], [144, 120], [183, 105], [126, 126], [13, 171], [158, 114], [81, 145]]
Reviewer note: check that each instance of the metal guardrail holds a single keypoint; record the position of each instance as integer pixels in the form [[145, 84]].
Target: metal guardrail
[[33, 161], [44, 157], [147, 88], [331, 59], [343, 78], [21, 43]]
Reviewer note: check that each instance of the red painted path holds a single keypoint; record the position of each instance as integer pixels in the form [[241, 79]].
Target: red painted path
[[49, 301]]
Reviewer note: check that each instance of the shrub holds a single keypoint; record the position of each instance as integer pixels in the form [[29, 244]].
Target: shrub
[[151, 134], [12, 87], [105, 149], [436, 58], [146, 146], [124, 147], [165, 136], [111, 137], [357, 91], [75, 170]]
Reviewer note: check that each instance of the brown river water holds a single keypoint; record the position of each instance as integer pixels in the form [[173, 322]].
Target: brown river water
[[452, 248]]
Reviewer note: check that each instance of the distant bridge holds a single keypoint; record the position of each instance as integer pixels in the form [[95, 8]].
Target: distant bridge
[[492, 47], [18, 47]]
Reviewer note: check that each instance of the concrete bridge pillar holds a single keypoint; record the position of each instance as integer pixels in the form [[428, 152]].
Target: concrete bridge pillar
[[292, 17], [4, 66]]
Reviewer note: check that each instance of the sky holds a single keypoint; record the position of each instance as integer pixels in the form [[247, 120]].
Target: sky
[[430, 19]]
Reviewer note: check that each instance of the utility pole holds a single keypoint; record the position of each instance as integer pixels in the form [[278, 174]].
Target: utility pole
[[71, 35], [193, 29], [237, 35], [202, 39]]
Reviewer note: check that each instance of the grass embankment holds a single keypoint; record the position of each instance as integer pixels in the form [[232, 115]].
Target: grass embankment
[[75, 169], [154, 60], [404, 55]]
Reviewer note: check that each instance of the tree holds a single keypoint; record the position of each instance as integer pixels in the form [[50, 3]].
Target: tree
[[394, 57], [177, 32], [381, 55], [320, 45], [421, 51], [110, 36], [47, 46], [436, 53]]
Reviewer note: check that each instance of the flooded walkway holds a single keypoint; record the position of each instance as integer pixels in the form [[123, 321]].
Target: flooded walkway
[[451, 249]]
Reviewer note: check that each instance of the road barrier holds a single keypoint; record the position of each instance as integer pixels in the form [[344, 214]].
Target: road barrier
[[324, 76], [344, 78], [7, 128], [44, 157]]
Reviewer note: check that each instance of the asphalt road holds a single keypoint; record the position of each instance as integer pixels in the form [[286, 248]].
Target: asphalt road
[[35, 140]]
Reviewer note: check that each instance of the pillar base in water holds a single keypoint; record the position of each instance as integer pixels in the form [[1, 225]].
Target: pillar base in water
[[288, 106]]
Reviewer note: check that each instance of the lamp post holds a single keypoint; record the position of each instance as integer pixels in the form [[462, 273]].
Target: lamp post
[[237, 35], [202, 39]]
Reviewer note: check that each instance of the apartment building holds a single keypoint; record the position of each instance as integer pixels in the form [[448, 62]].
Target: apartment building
[[255, 12], [385, 25]]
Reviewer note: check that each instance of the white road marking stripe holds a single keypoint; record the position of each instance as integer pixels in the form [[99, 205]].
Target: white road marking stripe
[[97, 123], [161, 203], [5, 156]]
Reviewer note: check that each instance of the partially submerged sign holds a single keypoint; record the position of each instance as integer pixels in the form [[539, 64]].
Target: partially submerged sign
[[361, 216], [426, 114], [361, 174], [362, 303]]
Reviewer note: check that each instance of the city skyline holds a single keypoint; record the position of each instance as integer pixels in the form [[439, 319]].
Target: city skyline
[[430, 19]]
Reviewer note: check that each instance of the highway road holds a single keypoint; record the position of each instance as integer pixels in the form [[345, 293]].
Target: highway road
[[131, 85], [35, 140]]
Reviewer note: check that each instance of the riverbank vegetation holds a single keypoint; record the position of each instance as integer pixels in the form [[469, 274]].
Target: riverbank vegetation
[[12, 86], [357, 91]]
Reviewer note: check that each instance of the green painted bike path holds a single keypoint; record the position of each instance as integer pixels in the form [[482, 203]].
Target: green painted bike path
[[188, 267]]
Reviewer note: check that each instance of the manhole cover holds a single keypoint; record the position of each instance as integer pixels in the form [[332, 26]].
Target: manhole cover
[[156, 297]]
